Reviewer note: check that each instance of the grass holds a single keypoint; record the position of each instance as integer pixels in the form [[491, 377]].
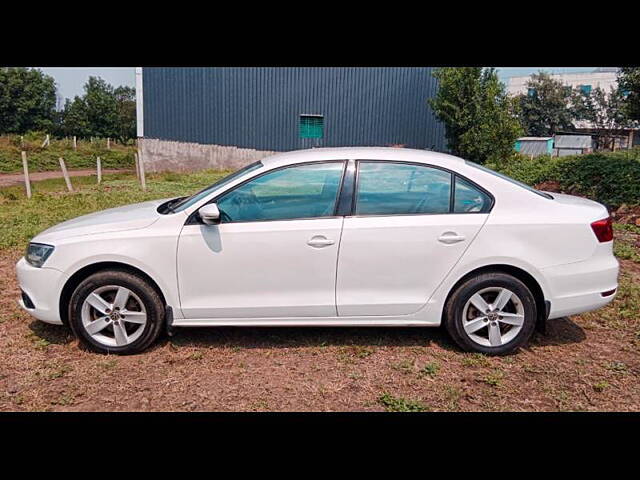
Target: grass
[[625, 244], [475, 360], [421, 378], [23, 218], [601, 386], [623, 313], [43, 159], [404, 366], [399, 404], [494, 378], [430, 369]]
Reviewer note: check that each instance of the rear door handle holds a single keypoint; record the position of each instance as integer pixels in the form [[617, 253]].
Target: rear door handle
[[449, 238], [319, 241]]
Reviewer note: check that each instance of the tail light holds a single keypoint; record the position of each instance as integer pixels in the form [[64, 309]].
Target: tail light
[[603, 229]]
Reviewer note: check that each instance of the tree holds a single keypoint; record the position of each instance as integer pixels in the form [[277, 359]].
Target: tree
[[27, 100], [629, 83], [126, 112], [604, 113], [101, 112], [101, 108], [545, 107], [479, 117], [74, 120]]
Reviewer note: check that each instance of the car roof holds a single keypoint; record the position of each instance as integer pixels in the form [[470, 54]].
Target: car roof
[[361, 153]]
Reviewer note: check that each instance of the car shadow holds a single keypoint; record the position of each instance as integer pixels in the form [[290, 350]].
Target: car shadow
[[56, 334], [560, 331], [296, 337]]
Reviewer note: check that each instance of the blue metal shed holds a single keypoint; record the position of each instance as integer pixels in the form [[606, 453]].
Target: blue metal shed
[[287, 108]]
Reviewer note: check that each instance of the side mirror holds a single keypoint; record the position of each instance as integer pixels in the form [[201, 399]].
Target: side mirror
[[210, 214]]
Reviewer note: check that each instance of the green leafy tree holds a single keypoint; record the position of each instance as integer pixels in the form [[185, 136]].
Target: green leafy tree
[[101, 112], [479, 117], [27, 100], [629, 83], [126, 111], [101, 108], [545, 108], [604, 113], [74, 120]]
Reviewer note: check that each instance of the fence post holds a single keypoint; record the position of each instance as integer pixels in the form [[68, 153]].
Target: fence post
[[75, 143], [99, 168], [25, 167], [65, 174], [143, 180], [135, 156], [108, 143]]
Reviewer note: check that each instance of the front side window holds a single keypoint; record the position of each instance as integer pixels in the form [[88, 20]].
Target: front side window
[[302, 191], [195, 198], [395, 188]]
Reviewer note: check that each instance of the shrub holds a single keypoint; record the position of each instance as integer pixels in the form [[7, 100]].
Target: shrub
[[612, 178]]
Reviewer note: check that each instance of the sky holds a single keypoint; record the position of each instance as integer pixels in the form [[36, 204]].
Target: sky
[[71, 80]]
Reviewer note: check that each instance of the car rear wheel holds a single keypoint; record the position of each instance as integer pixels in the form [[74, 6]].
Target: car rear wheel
[[492, 313], [116, 312]]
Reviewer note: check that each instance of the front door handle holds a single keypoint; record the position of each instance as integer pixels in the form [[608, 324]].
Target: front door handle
[[450, 238], [319, 241]]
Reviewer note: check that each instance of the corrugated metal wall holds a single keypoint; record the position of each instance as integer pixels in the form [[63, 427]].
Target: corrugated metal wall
[[259, 107]]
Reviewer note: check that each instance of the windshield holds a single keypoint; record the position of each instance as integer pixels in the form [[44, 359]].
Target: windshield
[[188, 201], [509, 179]]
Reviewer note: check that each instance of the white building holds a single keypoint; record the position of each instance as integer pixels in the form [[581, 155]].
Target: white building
[[603, 78]]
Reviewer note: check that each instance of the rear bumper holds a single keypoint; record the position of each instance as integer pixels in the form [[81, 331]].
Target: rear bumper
[[578, 287], [42, 286]]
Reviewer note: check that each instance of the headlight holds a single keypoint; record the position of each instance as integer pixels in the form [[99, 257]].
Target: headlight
[[37, 253]]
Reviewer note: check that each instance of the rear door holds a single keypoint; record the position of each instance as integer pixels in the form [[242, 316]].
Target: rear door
[[411, 223]]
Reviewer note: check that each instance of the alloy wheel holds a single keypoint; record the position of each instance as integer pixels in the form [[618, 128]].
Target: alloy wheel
[[113, 316], [493, 316]]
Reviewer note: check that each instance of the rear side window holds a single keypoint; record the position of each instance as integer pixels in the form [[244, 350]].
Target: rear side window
[[396, 189], [469, 199]]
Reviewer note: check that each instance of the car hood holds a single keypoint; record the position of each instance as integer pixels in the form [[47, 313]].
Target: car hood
[[128, 217]]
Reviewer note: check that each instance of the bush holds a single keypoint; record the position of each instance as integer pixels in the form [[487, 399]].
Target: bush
[[526, 169], [612, 178]]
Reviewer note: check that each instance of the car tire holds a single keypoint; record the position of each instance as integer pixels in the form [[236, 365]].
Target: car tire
[[116, 312], [494, 331]]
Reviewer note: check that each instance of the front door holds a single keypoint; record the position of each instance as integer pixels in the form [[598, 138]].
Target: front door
[[273, 255], [408, 232]]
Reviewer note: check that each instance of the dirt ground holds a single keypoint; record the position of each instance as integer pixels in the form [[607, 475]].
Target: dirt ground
[[582, 363], [10, 179]]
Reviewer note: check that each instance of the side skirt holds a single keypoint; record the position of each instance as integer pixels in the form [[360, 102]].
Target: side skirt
[[304, 322]]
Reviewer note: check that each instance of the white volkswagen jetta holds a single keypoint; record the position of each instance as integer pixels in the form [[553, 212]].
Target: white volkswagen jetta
[[329, 237]]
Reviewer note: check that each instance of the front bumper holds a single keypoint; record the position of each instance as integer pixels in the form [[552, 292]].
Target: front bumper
[[43, 286]]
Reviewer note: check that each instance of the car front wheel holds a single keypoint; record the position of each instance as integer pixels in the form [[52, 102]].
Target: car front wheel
[[491, 313], [116, 312]]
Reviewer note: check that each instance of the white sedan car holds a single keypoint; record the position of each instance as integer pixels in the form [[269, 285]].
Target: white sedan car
[[329, 237]]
